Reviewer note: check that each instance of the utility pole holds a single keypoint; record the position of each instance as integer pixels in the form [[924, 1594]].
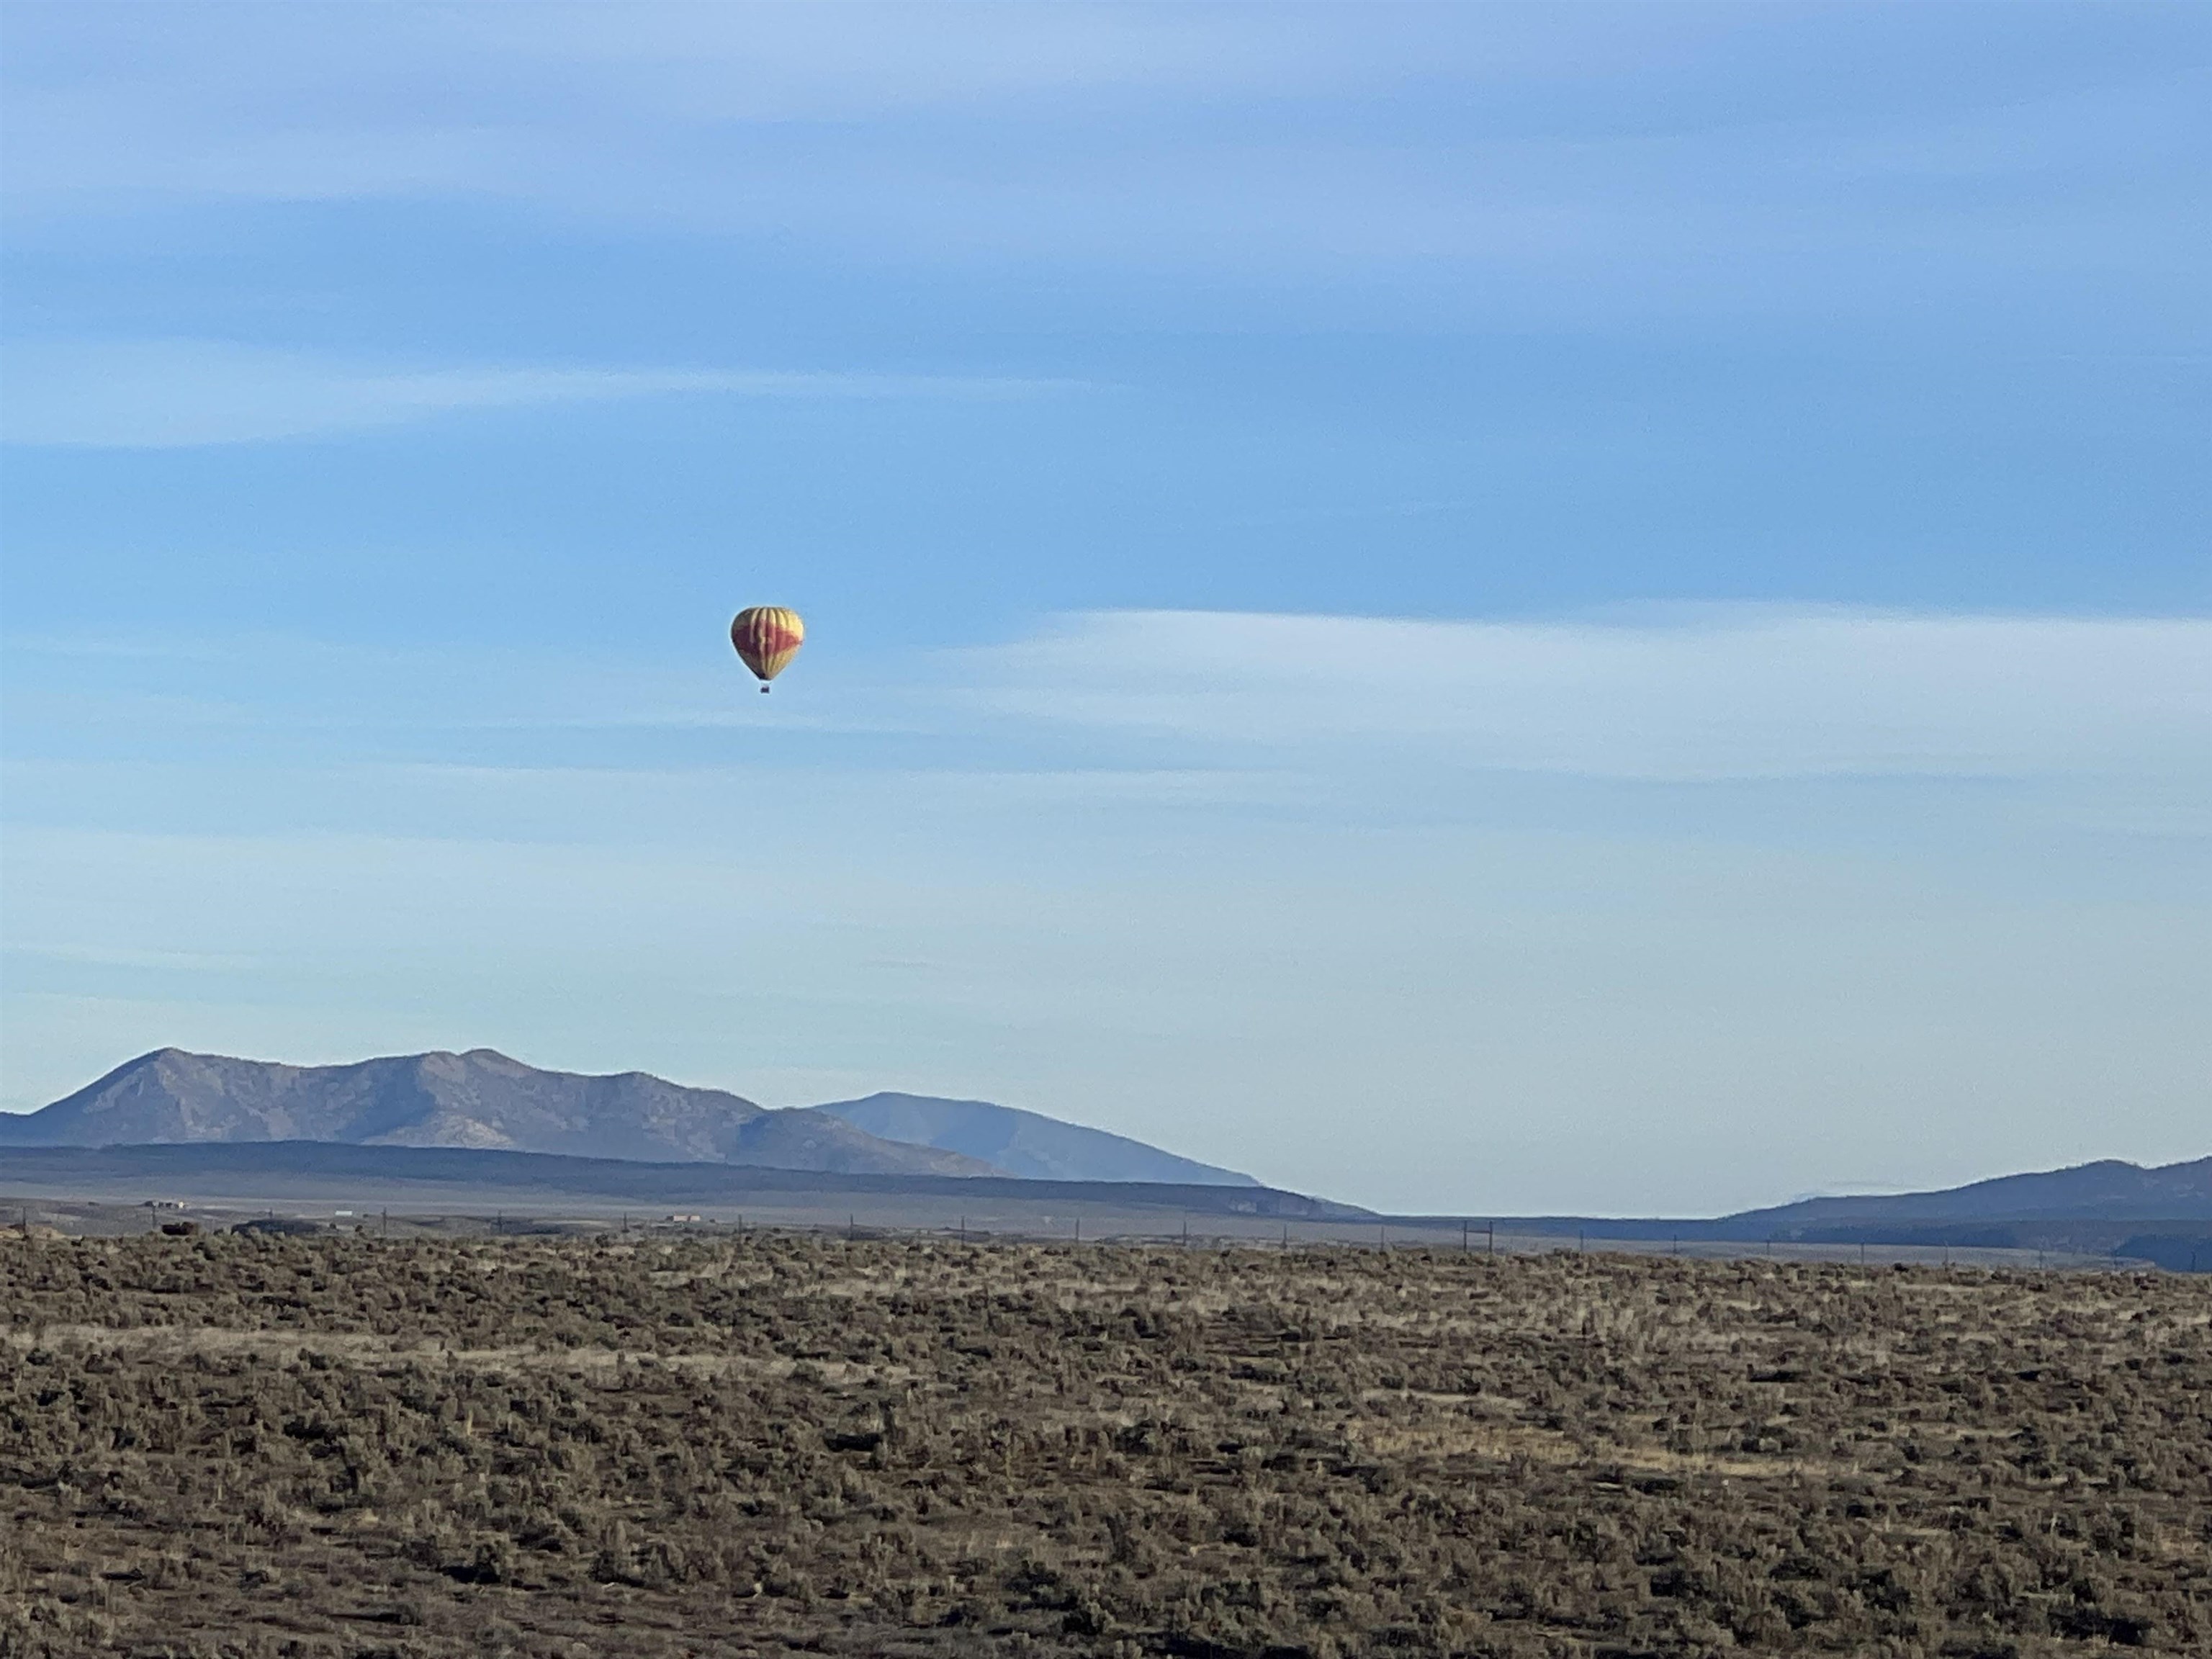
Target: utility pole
[[1463, 1225], [1490, 1237]]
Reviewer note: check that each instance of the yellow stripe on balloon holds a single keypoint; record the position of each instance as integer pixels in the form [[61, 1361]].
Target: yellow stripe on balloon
[[767, 638]]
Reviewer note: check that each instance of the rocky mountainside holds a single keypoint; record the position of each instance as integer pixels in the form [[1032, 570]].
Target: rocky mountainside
[[1026, 1143], [479, 1099]]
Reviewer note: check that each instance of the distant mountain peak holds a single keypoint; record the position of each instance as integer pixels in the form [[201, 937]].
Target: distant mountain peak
[[2106, 1187], [1024, 1143], [483, 1099], [480, 1099]]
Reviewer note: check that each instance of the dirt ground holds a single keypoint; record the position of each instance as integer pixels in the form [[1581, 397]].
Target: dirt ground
[[352, 1446]]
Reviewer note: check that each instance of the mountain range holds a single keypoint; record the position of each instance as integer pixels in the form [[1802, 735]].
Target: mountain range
[[482, 1099], [2107, 1190], [2096, 1196], [2161, 1214], [632, 1134]]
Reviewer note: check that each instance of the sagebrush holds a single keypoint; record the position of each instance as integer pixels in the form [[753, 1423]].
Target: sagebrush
[[350, 1446]]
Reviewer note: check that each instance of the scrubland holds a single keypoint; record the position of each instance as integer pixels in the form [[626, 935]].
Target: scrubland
[[351, 1446]]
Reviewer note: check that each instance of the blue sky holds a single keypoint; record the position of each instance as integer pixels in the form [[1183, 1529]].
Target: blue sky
[[1510, 607]]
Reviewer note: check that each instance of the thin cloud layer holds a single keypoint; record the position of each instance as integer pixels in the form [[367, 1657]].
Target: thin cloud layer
[[1640, 159], [166, 394], [1732, 692], [1679, 694]]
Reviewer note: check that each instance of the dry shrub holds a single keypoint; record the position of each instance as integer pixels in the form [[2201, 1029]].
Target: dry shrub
[[344, 1446]]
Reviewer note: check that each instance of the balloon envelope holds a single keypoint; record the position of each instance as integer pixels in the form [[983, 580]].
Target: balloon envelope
[[767, 637]]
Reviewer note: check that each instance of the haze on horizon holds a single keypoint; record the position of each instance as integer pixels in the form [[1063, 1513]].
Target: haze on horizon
[[1490, 608]]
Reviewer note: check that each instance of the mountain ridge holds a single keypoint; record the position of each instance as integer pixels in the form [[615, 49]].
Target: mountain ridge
[[483, 1099], [2161, 1211], [1022, 1143], [2106, 1188], [479, 1099]]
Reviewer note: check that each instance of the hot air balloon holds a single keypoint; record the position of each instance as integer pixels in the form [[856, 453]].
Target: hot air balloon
[[767, 637]]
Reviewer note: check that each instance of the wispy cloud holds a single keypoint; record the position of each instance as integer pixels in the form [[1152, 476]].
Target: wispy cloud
[[181, 393], [1678, 159], [1724, 692], [1680, 693], [91, 956]]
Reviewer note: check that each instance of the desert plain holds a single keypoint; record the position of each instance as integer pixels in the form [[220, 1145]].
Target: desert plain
[[348, 1445]]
